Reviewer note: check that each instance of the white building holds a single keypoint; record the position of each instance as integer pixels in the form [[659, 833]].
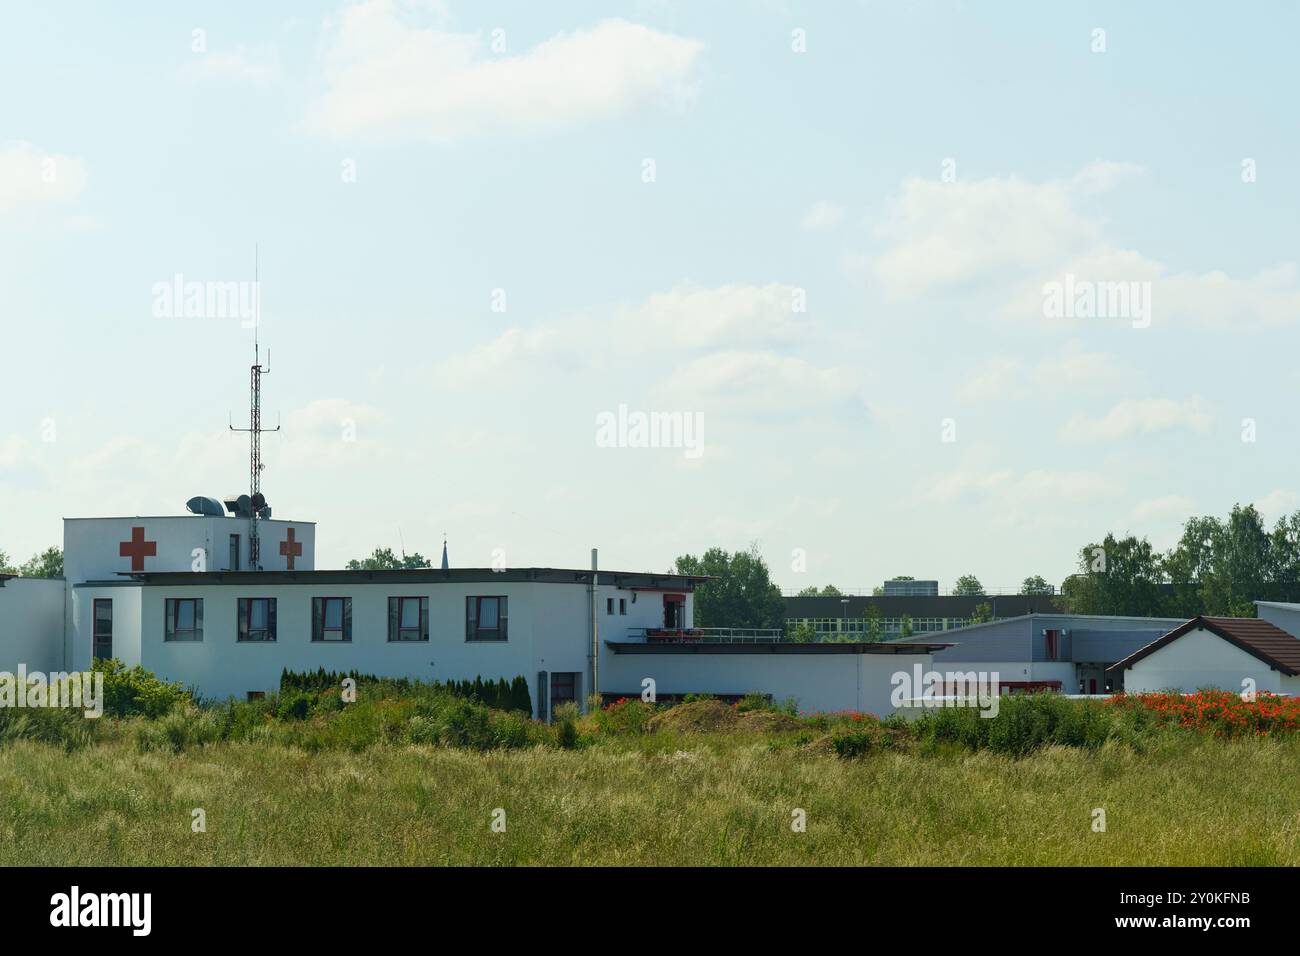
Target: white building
[[1229, 653], [175, 594]]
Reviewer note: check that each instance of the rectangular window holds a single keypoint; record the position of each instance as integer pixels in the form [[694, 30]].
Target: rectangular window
[[331, 619], [408, 618], [485, 618], [609, 605], [1052, 644], [256, 619], [103, 615], [184, 619], [234, 552], [622, 605]]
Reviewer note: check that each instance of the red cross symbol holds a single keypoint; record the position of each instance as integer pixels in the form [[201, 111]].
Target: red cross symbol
[[137, 549], [291, 548]]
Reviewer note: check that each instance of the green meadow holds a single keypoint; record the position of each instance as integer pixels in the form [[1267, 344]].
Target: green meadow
[[420, 779]]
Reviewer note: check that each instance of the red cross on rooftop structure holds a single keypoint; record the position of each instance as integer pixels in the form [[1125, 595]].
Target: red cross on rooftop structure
[[137, 549], [291, 548]]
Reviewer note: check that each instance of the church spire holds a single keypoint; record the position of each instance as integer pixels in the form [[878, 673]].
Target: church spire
[[444, 553]]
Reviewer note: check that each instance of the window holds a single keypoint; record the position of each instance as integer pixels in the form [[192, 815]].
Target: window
[[234, 552], [103, 616], [622, 605], [408, 618], [485, 618], [256, 619], [1052, 644], [609, 605], [331, 619], [184, 619]]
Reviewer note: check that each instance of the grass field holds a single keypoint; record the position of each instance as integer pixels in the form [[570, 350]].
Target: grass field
[[657, 799]]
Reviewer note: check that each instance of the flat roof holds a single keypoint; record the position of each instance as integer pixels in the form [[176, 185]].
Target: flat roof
[[1155, 622], [178, 517], [786, 647], [418, 576]]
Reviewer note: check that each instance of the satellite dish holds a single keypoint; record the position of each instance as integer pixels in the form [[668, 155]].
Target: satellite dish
[[258, 501]]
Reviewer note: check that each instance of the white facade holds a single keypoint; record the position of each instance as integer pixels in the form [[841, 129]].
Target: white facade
[[1200, 659], [31, 623], [121, 574], [820, 682], [93, 548]]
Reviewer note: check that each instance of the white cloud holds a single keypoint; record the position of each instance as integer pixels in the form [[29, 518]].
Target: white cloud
[[685, 319], [728, 315], [28, 174], [1006, 490], [996, 377], [391, 78], [1076, 370], [1163, 508], [243, 66], [1139, 417], [1278, 503], [757, 381], [948, 234], [823, 214]]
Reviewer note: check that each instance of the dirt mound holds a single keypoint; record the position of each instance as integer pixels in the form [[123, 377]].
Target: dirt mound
[[767, 722], [713, 716], [699, 716], [818, 747]]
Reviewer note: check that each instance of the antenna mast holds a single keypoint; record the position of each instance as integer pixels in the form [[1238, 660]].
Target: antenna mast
[[255, 428]]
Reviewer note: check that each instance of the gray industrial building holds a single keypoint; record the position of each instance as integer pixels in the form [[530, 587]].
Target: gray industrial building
[[1065, 652], [847, 617]]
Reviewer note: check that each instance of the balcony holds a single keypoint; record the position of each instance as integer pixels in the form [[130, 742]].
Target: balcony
[[706, 635]]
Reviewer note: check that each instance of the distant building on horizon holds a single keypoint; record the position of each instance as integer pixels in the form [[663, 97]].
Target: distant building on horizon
[[910, 588]]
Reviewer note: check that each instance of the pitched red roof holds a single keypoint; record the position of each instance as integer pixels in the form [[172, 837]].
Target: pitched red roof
[[1268, 642]]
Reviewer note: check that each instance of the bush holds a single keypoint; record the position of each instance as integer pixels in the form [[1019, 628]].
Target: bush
[[293, 705], [754, 701], [135, 691], [624, 716], [1024, 723]]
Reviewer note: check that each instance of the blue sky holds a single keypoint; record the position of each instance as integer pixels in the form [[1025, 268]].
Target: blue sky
[[916, 174]]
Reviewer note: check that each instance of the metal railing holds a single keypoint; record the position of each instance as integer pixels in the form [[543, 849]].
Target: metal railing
[[707, 635]]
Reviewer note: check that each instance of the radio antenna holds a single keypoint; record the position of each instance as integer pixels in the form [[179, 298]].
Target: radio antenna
[[255, 429]]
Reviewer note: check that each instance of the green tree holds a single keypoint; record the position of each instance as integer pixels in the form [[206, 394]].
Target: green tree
[[47, 564], [803, 634], [1117, 576], [741, 593], [1035, 584], [5, 566], [813, 591], [982, 614], [905, 626], [875, 629], [383, 559], [968, 585]]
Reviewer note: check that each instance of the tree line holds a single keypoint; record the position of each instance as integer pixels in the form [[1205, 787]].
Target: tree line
[[47, 564]]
